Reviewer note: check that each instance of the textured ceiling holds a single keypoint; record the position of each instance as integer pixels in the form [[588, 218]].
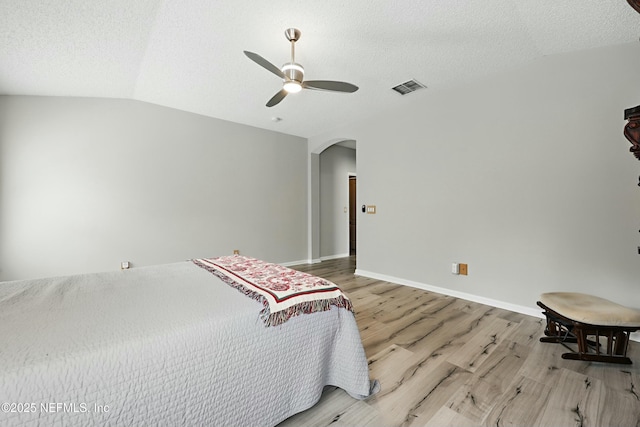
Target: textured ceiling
[[187, 54]]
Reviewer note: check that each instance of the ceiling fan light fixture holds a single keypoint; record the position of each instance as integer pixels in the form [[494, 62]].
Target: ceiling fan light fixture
[[292, 86]]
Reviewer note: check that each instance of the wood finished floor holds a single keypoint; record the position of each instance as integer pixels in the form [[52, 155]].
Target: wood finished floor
[[443, 361]]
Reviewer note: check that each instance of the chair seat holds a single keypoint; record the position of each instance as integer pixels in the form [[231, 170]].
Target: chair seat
[[590, 309]]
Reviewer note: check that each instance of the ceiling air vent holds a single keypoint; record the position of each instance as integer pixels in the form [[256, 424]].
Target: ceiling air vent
[[408, 87]]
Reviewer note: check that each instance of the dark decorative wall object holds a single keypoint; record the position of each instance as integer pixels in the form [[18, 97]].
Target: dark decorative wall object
[[632, 129]]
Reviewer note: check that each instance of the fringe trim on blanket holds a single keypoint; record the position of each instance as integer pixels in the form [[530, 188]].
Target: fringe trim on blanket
[[279, 317]]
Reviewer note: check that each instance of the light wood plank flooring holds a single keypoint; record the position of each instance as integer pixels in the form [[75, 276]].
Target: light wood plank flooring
[[443, 361]]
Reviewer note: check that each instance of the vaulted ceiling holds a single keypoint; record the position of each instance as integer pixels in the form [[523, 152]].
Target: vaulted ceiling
[[188, 54]]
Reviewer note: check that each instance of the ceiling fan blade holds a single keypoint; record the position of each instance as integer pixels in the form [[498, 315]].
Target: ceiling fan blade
[[277, 98], [329, 85], [264, 63]]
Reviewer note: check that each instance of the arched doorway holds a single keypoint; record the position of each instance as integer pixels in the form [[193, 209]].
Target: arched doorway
[[331, 216]]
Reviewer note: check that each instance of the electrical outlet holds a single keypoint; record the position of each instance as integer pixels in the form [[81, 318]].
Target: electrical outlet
[[455, 268], [236, 251], [463, 269], [124, 265]]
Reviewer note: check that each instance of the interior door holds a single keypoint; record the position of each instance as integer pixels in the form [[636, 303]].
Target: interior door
[[352, 215]]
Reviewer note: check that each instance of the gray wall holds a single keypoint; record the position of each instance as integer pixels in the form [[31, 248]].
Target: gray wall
[[525, 176], [87, 183], [336, 163]]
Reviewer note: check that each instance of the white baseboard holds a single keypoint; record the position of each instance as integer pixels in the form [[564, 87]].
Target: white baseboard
[[304, 261], [530, 311], [313, 261], [327, 258]]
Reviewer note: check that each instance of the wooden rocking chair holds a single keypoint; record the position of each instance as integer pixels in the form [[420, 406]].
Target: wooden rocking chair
[[586, 320]]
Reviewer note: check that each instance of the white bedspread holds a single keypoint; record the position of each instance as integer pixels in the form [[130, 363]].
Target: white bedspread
[[164, 345]]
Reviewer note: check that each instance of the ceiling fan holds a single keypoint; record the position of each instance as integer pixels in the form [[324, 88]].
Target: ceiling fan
[[292, 74]]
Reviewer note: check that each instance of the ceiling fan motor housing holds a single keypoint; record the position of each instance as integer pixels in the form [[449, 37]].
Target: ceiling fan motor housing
[[293, 72]]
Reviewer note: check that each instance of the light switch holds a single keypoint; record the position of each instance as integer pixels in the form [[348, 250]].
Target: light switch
[[371, 209]]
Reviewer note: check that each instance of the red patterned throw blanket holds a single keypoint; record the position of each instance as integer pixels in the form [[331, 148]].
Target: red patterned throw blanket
[[284, 292]]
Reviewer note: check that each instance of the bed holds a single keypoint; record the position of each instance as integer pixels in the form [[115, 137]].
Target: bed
[[172, 344]]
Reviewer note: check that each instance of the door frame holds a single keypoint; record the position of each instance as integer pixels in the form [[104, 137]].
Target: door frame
[[353, 209]]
